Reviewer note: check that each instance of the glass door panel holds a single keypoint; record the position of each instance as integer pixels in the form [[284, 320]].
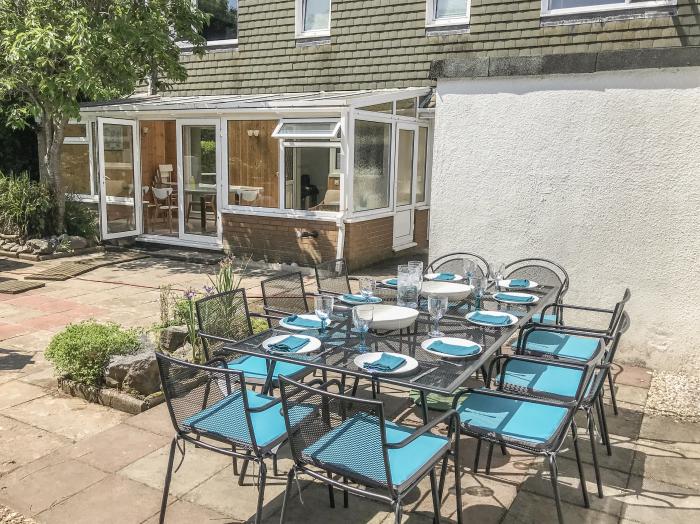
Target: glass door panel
[[403, 188], [199, 174], [120, 198]]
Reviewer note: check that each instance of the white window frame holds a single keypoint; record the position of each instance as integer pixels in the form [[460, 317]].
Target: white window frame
[[300, 8], [216, 43], [432, 21], [93, 196], [623, 5], [331, 135]]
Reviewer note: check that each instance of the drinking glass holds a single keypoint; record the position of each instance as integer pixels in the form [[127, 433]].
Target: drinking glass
[[469, 267], [479, 284], [408, 287], [367, 286], [362, 317], [323, 306], [497, 272], [437, 307], [416, 265]]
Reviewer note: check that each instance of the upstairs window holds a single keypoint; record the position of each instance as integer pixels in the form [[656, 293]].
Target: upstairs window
[[447, 13], [222, 26], [313, 18], [564, 7]]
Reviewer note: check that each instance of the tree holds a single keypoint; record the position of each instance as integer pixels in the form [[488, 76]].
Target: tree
[[56, 53]]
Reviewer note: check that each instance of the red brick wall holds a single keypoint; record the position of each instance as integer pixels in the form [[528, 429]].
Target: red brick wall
[[368, 242], [420, 229], [275, 239]]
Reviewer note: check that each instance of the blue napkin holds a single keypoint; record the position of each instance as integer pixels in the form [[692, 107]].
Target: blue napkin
[[519, 282], [445, 276], [514, 298], [290, 344], [499, 320], [386, 362], [453, 349], [297, 321], [392, 282], [361, 299]]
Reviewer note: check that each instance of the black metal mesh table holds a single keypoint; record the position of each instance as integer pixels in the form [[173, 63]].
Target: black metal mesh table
[[433, 375]]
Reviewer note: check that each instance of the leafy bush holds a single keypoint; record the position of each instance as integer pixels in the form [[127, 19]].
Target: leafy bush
[[27, 208], [81, 220], [82, 351]]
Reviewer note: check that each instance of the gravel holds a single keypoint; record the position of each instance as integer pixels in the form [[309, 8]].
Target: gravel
[[7, 516], [674, 395]]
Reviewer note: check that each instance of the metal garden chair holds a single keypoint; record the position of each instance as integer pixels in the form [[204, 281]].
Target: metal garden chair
[[453, 263], [225, 317], [545, 272], [332, 277], [533, 425], [285, 295], [351, 438], [212, 408]]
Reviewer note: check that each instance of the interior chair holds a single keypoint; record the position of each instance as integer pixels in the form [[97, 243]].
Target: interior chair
[[148, 207], [545, 272], [212, 408], [330, 202], [166, 175], [454, 263], [224, 317], [537, 426], [164, 204], [351, 438], [308, 190], [209, 206]]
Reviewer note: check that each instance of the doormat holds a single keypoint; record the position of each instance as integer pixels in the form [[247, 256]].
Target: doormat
[[72, 269], [13, 286]]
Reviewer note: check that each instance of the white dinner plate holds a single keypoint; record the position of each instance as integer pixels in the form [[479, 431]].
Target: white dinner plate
[[308, 316], [410, 365], [387, 317], [506, 301], [433, 276], [512, 318], [506, 284], [387, 283], [313, 345], [375, 300], [453, 341], [446, 289]]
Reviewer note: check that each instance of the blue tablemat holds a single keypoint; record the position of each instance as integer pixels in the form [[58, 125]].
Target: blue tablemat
[[386, 362], [514, 298], [453, 349], [359, 299], [297, 321], [478, 316], [290, 344], [519, 282]]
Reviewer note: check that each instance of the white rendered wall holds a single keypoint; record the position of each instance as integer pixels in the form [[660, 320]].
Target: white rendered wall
[[600, 172]]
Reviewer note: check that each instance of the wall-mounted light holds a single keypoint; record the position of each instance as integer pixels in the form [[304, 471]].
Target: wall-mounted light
[[145, 130], [253, 132]]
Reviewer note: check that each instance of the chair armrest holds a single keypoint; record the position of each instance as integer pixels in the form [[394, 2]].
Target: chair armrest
[[537, 400], [265, 406], [217, 360], [522, 358], [272, 312], [448, 415]]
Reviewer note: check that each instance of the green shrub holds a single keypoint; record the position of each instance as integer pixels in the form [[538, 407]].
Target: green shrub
[[82, 351], [259, 325], [27, 208], [81, 220]]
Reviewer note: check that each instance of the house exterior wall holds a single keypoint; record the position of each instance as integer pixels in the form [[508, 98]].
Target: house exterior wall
[[420, 228], [596, 171], [378, 44], [368, 242]]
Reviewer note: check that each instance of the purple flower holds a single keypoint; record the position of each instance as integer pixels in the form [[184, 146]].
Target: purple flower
[[190, 294], [208, 289]]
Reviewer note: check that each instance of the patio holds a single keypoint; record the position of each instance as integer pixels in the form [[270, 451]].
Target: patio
[[66, 460]]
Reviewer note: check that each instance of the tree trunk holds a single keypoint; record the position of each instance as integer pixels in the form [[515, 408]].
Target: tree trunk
[[50, 139]]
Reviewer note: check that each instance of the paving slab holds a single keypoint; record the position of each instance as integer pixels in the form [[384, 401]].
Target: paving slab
[[22, 444], [183, 512], [156, 420], [530, 508], [666, 429], [648, 500], [16, 392]]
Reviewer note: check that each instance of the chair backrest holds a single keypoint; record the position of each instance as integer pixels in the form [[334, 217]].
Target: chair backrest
[[332, 197], [332, 277], [542, 271], [618, 312], [327, 430], [190, 389], [454, 263], [166, 173], [284, 294], [161, 193], [223, 317], [609, 356]]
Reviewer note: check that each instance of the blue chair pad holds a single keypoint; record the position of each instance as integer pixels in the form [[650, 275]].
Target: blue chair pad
[[561, 345], [355, 448], [541, 377], [256, 368], [546, 319], [226, 418], [531, 422]]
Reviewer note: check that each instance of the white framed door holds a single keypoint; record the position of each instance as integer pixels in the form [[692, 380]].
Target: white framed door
[[200, 154], [405, 184], [120, 178]]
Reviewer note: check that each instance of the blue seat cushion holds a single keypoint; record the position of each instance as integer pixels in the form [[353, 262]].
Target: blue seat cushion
[[531, 422], [256, 368], [549, 319], [562, 345], [354, 448], [226, 418], [540, 377]]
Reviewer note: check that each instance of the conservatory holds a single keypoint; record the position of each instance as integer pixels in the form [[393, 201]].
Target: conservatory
[[299, 177]]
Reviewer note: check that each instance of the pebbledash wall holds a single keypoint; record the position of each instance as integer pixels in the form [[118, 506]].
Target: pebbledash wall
[[599, 171]]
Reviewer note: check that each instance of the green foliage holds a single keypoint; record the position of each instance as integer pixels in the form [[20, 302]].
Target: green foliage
[[259, 325], [82, 351], [27, 208], [225, 279], [80, 219]]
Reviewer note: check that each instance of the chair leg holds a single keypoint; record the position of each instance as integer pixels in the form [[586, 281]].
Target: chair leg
[[612, 393], [504, 450], [168, 476], [261, 492], [346, 502], [285, 500], [555, 486], [274, 466], [436, 497], [354, 387], [488, 459], [582, 477], [604, 426], [234, 460], [594, 453], [244, 468], [443, 474], [331, 496], [476, 456], [398, 512], [458, 482]]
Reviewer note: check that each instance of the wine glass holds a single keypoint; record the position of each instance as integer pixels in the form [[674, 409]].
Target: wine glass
[[497, 272], [367, 286], [362, 317], [469, 268], [323, 306], [437, 307], [479, 284]]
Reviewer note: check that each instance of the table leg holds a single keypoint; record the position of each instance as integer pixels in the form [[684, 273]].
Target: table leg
[[269, 383], [202, 214], [424, 406]]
